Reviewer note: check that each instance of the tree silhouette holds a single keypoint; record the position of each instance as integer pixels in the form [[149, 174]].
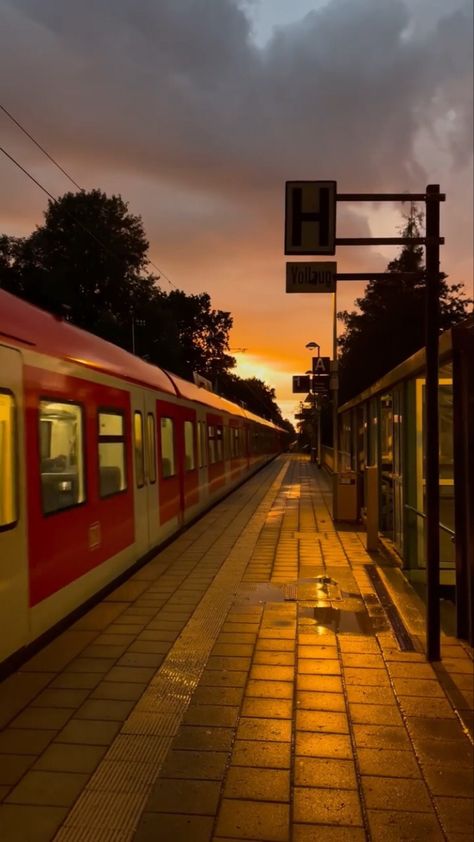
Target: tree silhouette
[[390, 323]]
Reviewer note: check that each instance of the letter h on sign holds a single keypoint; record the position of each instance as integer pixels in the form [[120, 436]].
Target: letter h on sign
[[310, 217]]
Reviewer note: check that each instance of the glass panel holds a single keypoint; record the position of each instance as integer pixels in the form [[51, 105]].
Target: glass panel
[[219, 444], [61, 455], [212, 445], [110, 424], [386, 455], [139, 455], [151, 447], [168, 468], [112, 470], [112, 478], [8, 512], [189, 459]]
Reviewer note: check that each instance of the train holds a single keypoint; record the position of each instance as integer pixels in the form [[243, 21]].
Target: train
[[103, 458]]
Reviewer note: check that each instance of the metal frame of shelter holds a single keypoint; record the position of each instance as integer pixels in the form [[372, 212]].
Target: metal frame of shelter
[[431, 241]]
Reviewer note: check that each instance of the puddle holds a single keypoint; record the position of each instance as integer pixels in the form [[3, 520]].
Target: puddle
[[338, 620], [263, 592]]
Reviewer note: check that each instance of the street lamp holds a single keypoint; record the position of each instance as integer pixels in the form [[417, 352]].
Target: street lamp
[[316, 448]]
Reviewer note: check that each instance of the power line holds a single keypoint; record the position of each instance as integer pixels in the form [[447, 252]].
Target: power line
[[56, 164], [22, 128]]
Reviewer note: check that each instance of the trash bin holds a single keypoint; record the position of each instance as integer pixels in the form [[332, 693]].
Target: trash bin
[[345, 496]]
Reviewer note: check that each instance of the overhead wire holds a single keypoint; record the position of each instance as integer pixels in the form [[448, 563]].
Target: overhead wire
[[72, 180]]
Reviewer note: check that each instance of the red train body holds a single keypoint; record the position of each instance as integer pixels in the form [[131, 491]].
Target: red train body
[[102, 458]]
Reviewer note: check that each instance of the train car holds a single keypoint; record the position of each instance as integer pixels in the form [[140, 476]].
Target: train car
[[103, 457]]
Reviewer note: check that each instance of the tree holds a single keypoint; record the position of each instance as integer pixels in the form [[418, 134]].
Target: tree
[[390, 323], [253, 394], [88, 261]]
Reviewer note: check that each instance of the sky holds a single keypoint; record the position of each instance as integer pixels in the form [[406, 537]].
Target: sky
[[197, 111]]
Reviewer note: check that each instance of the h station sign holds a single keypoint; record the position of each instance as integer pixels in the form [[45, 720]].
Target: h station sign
[[310, 217]]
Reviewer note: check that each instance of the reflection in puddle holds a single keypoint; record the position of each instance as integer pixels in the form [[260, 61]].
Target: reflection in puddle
[[338, 620], [263, 592]]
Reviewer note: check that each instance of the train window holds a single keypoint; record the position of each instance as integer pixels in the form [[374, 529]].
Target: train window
[[189, 458], [8, 507], [168, 462], [211, 435], [61, 455], [219, 443], [203, 444], [150, 421], [112, 473], [139, 454]]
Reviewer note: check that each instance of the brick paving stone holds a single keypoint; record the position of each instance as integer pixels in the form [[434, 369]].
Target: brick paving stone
[[254, 820], [388, 763], [322, 721], [272, 708], [211, 715], [327, 806], [365, 660], [24, 823], [199, 797], [141, 659], [452, 754], [277, 659], [233, 650], [22, 741], [413, 670], [77, 680], [56, 698], [327, 833], [319, 683], [218, 695], [174, 828], [325, 666], [427, 708], [325, 772], [252, 728], [223, 678], [54, 789], [371, 695], [216, 662], [320, 701], [375, 714], [209, 765], [204, 739], [441, 729], [13, 767], [389, 793], [18, 690], [381, 736], [272, 673], [68, 757], [418, 687], [131, 675], [275, 645], [42, 719], [269, 689], [321, 652], [255, 753], [456, 814], [105, 710], [399, 826], [454, 782], [366, 677], [323, 745], [258, 784], [118, 691], [88, 732]]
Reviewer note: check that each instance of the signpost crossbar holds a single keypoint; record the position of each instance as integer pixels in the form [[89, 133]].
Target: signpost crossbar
[[387, 197], [385, 241]]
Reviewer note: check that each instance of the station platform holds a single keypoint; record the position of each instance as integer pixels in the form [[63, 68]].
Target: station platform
[[248, 683]]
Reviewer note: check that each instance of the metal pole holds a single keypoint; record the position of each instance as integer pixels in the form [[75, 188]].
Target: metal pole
[[432, 431], [335, 391], [133, 333]]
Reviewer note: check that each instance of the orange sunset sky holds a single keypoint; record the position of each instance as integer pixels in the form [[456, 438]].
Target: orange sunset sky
[[197, 111]]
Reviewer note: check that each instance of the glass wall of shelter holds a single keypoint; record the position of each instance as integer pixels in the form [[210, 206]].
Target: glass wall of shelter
[[386, 428]]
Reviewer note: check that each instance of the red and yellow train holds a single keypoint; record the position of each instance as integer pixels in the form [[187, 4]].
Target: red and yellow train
[[102, 458]]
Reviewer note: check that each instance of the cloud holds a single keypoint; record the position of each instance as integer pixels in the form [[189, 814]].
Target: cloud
[[175, 105]]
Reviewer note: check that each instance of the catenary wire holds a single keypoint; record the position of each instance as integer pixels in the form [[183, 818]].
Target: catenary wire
[[161, 274]]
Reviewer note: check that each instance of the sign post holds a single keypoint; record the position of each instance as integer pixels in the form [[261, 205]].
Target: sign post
[[310, 228]]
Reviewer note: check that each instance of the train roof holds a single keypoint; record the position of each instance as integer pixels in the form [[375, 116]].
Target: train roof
[[25, 325]]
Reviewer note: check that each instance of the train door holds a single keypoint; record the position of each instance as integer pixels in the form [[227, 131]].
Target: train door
[[147, 520], [14, 623]]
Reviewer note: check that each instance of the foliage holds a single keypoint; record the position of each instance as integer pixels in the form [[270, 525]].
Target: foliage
[[253, 394], [87, 262], [390, 323]]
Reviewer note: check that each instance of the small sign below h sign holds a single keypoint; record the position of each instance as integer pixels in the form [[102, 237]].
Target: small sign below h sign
[[310, 217], [311, 277], [321, 365]]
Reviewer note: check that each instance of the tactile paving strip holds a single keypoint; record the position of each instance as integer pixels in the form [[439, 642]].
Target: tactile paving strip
[[111, 805]]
